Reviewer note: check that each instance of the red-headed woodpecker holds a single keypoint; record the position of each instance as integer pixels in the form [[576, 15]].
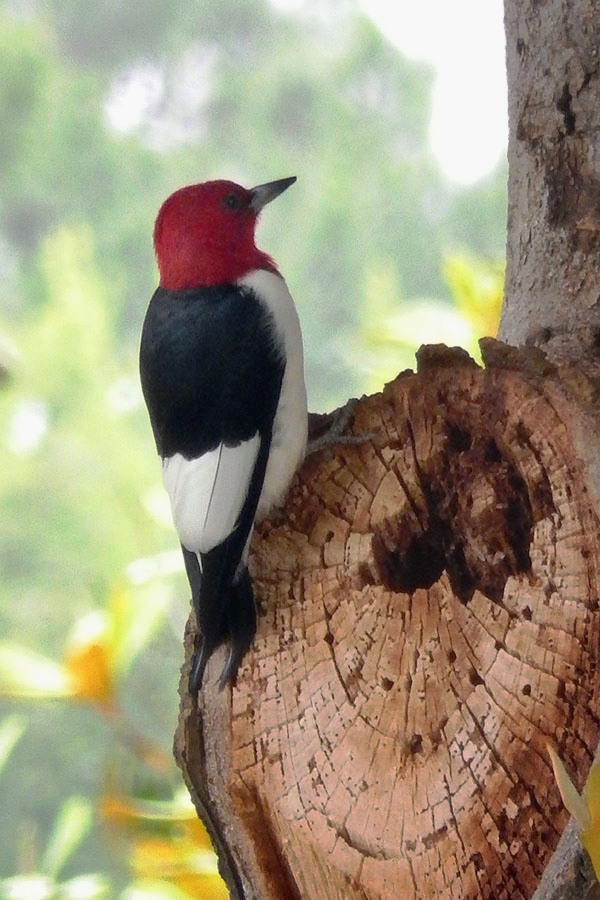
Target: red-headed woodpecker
[[222, 373]]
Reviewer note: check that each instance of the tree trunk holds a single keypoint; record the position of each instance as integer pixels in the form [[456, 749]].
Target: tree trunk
[[552, 293], [430, 613], [552, 297]]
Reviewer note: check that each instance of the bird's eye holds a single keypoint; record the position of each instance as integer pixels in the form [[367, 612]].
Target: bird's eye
[[232, 202]]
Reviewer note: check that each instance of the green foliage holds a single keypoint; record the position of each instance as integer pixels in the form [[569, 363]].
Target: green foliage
[[70, 828], [11, 729], [90, 463], [153, 890], [92, 596], [391, 328], [25, 673]]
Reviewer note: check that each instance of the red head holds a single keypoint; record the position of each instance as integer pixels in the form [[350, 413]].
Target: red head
[[204, 233]]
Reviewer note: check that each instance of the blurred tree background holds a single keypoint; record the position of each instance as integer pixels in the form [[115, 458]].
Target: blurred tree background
[[107, 108]]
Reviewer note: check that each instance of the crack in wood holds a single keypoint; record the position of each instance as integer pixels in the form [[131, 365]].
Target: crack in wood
[[431, 619]]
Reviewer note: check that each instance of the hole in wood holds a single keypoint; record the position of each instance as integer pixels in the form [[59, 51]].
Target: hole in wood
[[477, 524]]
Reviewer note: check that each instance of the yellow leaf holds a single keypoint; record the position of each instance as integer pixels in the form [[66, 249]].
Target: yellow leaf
[[167, 842], [209, 887], [592, 794], [167, 857], [88, 660], [89, 670], [197, 833], [477, 287], [119, 810], [178, 811], [586, 812], [590, 838], [591, 841]]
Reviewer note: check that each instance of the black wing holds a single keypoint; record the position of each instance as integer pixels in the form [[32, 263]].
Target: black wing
[[211, 372]]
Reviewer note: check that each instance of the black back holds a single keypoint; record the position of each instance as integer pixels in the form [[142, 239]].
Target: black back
[[210, 367]]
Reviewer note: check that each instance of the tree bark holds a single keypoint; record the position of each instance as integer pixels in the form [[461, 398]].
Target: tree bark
[[552, 296], [429, 594], [552, 287], [430, 621]]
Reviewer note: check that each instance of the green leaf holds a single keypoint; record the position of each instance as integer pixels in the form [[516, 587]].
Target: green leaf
[[24, 673], [85, 887], [137, 617], [70, 828], [153, 890], [11, 731]]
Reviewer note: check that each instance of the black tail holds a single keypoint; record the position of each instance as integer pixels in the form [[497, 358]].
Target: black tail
[[241, 617], [224, 612], [221, 593]]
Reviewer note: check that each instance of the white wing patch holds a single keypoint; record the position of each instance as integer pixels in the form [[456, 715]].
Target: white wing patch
[[207, 494]]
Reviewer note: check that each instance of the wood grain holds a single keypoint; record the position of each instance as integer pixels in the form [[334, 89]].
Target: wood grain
[[429, 621]]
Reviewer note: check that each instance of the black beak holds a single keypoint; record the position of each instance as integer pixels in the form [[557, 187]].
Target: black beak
[[264, 193]]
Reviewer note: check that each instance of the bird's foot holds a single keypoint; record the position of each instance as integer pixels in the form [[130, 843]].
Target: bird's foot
[[242, 627], [333, 432], [230, 669], [199, 660]]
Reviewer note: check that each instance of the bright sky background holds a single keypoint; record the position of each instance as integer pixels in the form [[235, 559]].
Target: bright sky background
[[464, 40]]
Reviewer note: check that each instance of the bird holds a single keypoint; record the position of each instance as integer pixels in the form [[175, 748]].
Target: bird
[[222, 374]]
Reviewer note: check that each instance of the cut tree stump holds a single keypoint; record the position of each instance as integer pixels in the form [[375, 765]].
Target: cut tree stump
[[429, 622]]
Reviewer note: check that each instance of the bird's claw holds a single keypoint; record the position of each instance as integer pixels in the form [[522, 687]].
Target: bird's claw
[[335, 432]]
